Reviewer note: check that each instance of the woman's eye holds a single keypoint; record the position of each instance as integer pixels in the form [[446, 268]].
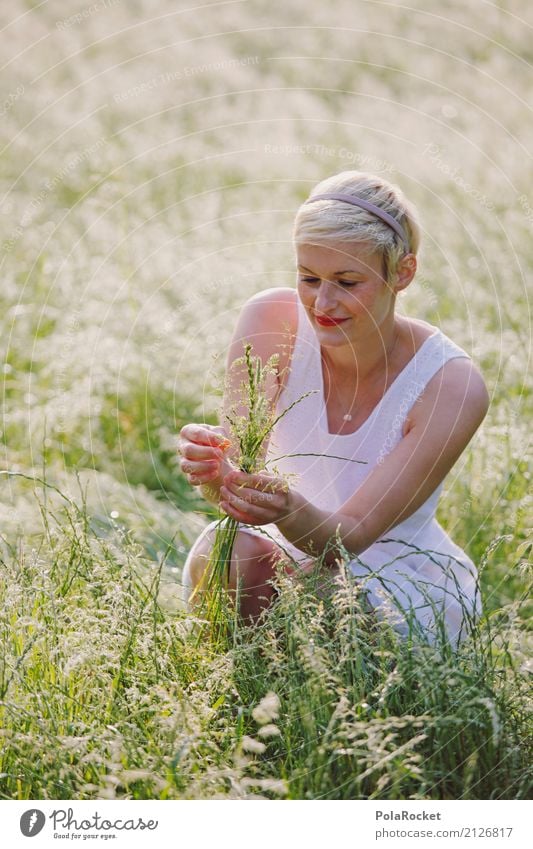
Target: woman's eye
[[311, 281]]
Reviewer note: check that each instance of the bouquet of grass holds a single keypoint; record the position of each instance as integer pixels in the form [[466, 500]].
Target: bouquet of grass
[[249, 432]]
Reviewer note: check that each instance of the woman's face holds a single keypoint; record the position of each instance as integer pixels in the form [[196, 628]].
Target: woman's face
[[343, 291]]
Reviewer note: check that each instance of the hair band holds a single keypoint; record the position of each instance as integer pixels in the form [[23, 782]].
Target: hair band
[[369, 207]]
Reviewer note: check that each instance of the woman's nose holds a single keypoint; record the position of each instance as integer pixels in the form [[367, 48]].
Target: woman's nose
[[325, 296]]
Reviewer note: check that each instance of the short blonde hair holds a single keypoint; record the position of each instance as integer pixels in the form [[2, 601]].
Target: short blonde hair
[[333, 220]]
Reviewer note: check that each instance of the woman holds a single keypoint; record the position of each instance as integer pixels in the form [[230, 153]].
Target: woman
[[390, 394]]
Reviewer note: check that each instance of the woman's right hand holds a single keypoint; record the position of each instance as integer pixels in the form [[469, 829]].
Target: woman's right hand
[[202, 448]]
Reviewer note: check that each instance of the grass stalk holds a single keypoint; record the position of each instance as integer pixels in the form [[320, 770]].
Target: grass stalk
[[249, 431]]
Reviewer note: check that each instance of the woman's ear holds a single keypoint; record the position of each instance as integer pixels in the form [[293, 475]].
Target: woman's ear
[[405, 271]]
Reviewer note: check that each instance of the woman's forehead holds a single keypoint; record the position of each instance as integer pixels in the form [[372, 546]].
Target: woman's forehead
[[337, 256]]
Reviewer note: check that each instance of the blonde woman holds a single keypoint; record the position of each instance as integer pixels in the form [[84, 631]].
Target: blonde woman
[[390, 394]]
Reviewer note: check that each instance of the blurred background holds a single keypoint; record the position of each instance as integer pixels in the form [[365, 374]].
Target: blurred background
[[153, 157]]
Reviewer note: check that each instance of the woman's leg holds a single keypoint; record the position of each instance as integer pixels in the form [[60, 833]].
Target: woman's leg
[[252, 566]]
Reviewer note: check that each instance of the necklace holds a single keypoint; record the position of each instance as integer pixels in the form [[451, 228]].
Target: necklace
[[347, 417]]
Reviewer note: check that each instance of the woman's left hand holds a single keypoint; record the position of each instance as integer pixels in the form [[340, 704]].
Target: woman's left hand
[[255, 499]]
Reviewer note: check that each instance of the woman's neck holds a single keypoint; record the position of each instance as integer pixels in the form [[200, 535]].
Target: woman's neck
[[365, 357]]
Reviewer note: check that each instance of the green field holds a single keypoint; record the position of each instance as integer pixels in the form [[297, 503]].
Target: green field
[[153, 158]]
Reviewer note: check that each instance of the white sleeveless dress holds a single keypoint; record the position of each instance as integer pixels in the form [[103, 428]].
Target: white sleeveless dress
[[415, 569]]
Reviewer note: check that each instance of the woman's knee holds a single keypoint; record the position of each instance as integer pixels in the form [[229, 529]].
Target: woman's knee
[[252, 566], [253, 560]]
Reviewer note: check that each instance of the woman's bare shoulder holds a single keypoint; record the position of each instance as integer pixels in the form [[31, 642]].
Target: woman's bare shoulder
[[415, 332], [275, 309], [269, 321]]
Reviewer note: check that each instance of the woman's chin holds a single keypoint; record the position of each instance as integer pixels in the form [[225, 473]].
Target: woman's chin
[[331, 337]]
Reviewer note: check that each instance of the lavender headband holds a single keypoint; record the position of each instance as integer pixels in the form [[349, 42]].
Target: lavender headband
[[370, 207]]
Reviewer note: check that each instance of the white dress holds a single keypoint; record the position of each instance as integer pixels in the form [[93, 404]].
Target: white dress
[[415, 569]]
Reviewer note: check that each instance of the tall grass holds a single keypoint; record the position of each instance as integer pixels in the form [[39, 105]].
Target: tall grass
[[138, 218], [105, 693]]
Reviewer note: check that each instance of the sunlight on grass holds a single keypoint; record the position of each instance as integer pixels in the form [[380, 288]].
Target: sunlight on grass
[[152, 166]]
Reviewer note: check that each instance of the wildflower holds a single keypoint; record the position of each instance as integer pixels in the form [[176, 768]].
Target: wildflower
[[267, 709], [269, 730], [254, 746]]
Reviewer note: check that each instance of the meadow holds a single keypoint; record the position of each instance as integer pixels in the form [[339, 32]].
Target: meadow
[[153, 158]]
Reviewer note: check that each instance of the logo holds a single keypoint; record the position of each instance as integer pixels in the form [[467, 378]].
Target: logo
[[32, 822]]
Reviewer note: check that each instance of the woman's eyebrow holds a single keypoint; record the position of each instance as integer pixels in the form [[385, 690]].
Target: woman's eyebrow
[[335, 273]]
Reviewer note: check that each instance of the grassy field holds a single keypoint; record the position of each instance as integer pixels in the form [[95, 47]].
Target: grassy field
[[152, 161]]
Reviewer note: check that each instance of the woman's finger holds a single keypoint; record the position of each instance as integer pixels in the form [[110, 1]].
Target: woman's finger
[[257, 497], [245, 516], [200, 479], [251, 504], [204, 435], [260, 482], [189, 467], [193, 451], [239, 516]]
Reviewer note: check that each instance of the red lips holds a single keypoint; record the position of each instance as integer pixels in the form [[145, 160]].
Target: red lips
[[327, 321]]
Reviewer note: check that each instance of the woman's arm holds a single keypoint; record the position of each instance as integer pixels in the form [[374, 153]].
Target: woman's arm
[[439, 428]]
